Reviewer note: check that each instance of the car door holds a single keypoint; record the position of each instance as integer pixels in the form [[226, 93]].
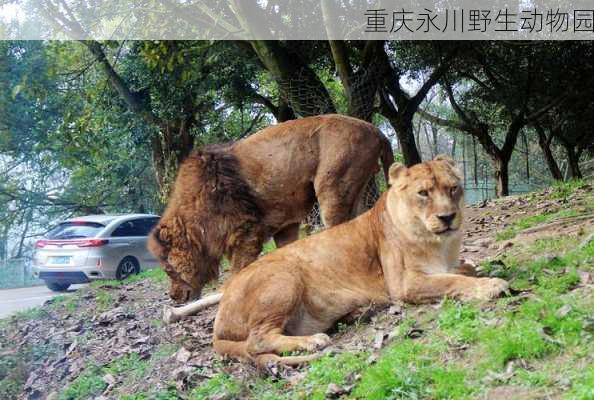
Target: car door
[[127, 240], [147, 226]]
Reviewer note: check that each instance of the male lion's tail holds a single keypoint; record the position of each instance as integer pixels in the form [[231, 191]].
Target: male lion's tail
[[387, 156], [239, 350]]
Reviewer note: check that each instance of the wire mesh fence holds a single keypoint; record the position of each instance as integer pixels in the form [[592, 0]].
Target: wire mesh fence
[[16, 273]]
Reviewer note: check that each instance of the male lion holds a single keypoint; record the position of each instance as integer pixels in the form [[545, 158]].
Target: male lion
[[405, 248], [230, 199]]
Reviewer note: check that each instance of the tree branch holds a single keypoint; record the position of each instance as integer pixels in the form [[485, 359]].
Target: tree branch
[[435, 76]]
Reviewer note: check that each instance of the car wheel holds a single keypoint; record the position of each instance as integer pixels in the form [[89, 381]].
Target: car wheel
[[127, 267], [57, 286]]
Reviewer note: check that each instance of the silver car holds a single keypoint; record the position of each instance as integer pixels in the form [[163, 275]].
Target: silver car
[[83, 249]]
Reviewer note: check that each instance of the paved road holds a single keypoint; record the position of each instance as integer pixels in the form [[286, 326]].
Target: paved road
[[13, 300]]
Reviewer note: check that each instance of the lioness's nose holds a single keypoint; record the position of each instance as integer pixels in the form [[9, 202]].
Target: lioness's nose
[[447, 219]]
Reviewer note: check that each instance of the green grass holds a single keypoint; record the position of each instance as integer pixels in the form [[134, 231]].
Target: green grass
[[564, 189], [87, 385], [30, 314], [12, 376], [528, 222], [104, 300], [583, 389], [129, 369], [332, 369], [155, 274], [460, 322], [411, 370], [70, 302], [269, 246], [560, 191], [218, 386]]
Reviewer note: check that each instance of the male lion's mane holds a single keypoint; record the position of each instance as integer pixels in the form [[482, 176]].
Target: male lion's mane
[[210, 207]]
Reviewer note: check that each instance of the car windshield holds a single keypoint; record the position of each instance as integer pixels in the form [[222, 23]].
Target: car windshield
[[75, 230]]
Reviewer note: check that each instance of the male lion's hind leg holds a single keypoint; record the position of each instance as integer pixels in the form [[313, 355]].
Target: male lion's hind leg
[[288, 234], [244, 251], [422, 288]]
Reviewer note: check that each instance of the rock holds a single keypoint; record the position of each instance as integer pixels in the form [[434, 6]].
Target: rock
[[584, 277], [334, 391], [395, 309], [379, 340], [505, 245], [471, 249], [482, 242], [183, 355], [52, 396], [109, 379], [563, 311]]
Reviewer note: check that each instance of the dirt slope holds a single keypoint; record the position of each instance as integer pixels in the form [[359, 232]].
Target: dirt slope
[[108, 341]]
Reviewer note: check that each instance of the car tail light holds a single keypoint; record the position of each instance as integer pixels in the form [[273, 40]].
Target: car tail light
[[92, 243], [40, 244], [79, 243]]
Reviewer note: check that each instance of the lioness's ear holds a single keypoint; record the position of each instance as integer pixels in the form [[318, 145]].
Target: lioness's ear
[[396, 170]]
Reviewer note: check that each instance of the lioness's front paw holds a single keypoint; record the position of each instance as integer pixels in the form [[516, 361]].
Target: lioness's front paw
[[318, 341], [487, 289]]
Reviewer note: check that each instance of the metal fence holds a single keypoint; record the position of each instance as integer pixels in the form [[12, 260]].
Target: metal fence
[[16, 273]]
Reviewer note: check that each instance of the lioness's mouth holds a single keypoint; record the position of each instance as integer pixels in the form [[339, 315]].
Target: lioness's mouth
[[446, 230]]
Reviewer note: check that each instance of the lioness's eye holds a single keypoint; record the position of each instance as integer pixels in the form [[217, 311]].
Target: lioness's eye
[[423, 193], [453, 189]]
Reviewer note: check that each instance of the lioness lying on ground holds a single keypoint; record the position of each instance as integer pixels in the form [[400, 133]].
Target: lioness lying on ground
[[405, 248]]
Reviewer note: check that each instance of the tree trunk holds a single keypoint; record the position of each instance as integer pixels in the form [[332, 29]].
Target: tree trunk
[[501, 176], [434, 134], [170, 147], [545, 145], [301, 87], [404, 131], [527, 155], [454, 147], [475, 162], [573, 158]]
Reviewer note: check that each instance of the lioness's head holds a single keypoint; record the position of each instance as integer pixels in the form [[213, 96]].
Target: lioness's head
[[170, 244], [427, 198]]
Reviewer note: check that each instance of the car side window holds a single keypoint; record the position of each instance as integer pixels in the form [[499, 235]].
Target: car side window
[[129, 228], [147, 225]]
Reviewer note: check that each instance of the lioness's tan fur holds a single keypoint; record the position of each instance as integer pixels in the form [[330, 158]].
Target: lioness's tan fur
[[405, 248], [230, 199]]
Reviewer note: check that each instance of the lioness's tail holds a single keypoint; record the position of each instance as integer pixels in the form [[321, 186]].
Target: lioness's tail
[[387, 156], [239, 350]]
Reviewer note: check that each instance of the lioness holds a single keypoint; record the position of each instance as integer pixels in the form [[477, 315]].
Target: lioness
[[405, 248], [230, 199]]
